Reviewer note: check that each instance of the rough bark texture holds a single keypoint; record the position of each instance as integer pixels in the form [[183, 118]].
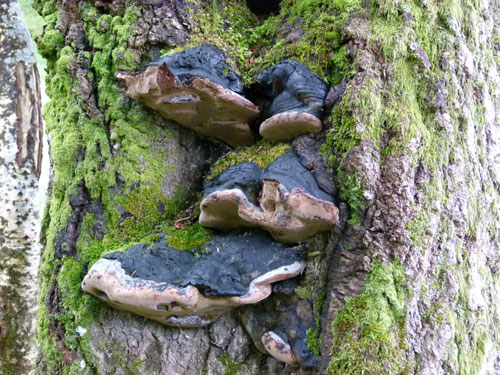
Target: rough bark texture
[[20, 159], [409, 281]]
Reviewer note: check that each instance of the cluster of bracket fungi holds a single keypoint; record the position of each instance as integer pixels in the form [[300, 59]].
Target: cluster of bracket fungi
[[196, 89]]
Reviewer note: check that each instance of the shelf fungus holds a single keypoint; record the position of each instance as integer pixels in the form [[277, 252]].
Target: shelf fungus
[[284, 199], [279, 326], [191, 289], [279, 348], [298, 97], [194, 89]]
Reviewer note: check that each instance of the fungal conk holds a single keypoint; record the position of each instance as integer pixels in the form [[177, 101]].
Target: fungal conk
[[194, 89], [283, 199], [298, 97], [189, 289]]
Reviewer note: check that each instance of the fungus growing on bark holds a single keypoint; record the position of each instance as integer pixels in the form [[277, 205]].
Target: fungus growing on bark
[[298, 97], [279, 327], [279, 348], [192, 88], [291, 206], [191, 289]]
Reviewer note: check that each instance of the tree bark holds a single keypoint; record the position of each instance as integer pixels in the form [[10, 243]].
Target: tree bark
[[20, 159], [408, 283]]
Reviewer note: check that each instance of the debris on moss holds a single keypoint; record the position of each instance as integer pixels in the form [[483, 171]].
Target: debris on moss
[[146, 208]]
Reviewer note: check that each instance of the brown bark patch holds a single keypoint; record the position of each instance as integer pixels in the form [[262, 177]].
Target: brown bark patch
[[28, 111]]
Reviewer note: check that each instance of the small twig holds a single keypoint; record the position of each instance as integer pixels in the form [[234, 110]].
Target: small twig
[[183, 219]]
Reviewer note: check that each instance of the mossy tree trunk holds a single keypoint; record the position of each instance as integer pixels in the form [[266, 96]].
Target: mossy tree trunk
[[20, 157], [407, 284]]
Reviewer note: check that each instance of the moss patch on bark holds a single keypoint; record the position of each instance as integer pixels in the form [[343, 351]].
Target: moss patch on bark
[[370, 330]]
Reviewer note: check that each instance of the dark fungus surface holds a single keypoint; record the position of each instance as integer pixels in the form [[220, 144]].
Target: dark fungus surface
[[286, 169], [245, 176], [289, 172], [205, 61], [224, 267], [293, 87]]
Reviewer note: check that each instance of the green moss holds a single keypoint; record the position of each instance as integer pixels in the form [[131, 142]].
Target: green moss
[[304, 292], [308, 31], [473, 333], [50, 42], [230, 368], [226, 24], [261, 153], [81, 147], [188, 237], [398, 113], [351, 193], [146, 207], [79, 309], [135, 369], [389, 108], [126, 184], [369, 331], [252, 43], [434, 314], [313, 339]]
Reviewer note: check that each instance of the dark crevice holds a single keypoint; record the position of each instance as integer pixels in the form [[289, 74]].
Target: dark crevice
[[264, 7], [81, 203]]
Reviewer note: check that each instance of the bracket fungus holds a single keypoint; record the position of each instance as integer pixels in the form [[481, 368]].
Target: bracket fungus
[[298, 97], [279, 326], [192, 88], [279, 348], [290, 206], [182, 288]]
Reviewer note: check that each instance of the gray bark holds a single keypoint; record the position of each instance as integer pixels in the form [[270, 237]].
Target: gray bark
[[20, 159]]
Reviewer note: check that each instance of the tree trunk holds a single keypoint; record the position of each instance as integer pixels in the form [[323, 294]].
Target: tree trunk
[[20, 157], [407, 283]]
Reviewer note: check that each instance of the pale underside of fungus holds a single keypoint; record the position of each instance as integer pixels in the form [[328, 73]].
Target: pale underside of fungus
[[290, 217], [290, 205], [180, 289], [298, 97], [279, 348], [289, 125]]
